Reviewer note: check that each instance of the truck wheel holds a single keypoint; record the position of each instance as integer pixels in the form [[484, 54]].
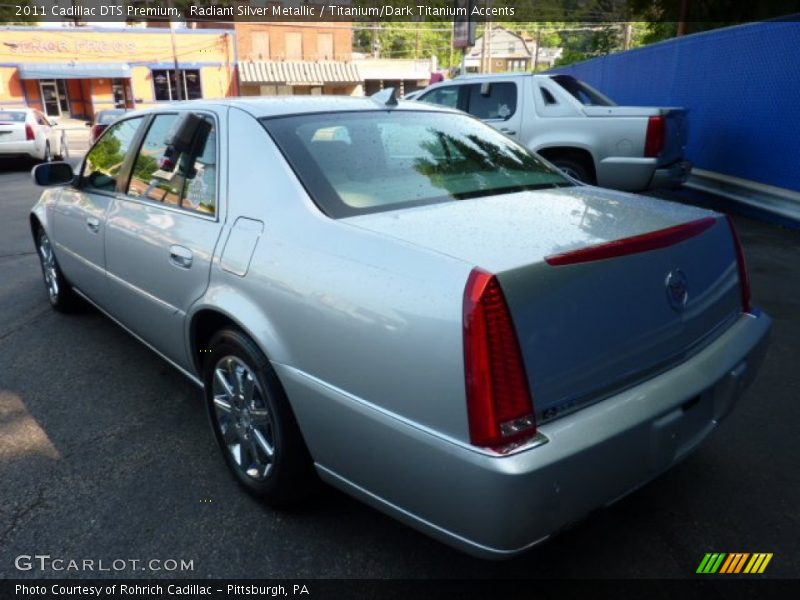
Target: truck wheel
[[575, 169]]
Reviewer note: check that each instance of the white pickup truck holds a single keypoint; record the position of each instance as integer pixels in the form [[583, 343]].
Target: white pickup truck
[[576, 128]]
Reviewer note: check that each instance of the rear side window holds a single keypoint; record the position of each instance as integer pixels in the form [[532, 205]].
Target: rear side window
[[547, 96], [583, 92], [105, 159], [493, 100], [444, 96], [184, 178]]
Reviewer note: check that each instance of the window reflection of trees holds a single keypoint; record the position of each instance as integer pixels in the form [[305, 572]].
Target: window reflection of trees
[[470, 165]]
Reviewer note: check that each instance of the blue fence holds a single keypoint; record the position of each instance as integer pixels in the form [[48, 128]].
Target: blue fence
[[741, 85]]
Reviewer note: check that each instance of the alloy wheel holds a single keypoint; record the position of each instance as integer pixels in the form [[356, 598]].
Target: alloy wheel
[[244, 419], [49, 268]]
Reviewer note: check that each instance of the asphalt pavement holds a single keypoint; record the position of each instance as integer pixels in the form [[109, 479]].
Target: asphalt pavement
[[105, 454]]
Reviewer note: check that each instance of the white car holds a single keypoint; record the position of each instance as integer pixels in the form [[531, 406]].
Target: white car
[[27, 133]]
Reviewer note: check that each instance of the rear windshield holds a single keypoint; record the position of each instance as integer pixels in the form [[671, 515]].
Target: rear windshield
[[583, 92], [360, 162], [12, 116]]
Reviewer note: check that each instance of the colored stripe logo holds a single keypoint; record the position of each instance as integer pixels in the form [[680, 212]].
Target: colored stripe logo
[[734, 563]]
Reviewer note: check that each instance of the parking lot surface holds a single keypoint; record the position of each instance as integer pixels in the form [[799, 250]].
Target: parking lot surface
[[105, 454]]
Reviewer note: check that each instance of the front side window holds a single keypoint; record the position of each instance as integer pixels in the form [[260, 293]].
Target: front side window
[[181, 177], [361, 162], [105, 159], [166, 82], [493, 100], [444, 96]]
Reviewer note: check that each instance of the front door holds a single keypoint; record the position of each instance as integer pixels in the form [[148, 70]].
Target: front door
[[49, 89], [63, 97], [161, 235], [80, 215]]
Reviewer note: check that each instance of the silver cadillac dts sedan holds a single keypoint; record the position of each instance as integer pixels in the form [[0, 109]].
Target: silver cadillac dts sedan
[[409, 305]]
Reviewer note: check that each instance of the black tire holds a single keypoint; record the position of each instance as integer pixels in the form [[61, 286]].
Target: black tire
[[574, 168], [288, 476], [59, 291]]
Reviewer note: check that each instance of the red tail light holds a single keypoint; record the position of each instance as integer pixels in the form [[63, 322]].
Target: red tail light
[[96, 131], [744, 277], [29, 135], [656, 134], [499, 402], [633, 245]]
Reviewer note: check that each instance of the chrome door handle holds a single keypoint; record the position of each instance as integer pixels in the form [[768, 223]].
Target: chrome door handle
[[180, 256], [93, 224]]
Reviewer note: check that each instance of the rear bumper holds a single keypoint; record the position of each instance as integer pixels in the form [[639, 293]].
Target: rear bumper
[[496, 507], [638, 174], [22, 149], [672, 175]]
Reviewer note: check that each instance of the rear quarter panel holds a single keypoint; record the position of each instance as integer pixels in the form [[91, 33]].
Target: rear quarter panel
[[377, 318]]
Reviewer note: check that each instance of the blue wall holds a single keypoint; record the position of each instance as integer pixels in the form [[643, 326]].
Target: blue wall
[[741, 84]]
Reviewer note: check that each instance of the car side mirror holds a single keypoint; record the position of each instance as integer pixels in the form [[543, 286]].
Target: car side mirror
[[53, 173], [181, 135]]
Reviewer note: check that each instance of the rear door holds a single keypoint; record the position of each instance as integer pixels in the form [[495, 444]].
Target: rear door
[[163, 230], [498, 104], [80, 214]]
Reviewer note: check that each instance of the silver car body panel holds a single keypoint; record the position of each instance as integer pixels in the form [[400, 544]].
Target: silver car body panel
[[362, 319]]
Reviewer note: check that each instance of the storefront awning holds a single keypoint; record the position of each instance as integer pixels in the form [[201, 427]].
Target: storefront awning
[[298, 72], [73, 70]]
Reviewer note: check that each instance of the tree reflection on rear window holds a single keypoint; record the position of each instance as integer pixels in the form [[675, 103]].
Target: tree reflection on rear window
[[359, 162]]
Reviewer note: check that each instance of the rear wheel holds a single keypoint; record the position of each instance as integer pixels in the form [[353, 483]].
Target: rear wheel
[[575, 168], [253, 422], [59, 292]]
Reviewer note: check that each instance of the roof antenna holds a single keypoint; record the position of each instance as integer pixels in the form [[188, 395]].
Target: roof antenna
[[386, 97]]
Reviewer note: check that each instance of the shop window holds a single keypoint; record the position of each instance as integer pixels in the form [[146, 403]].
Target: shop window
[[184, 177], [294, 46], [165, 84], [260, 45], [325, 46]]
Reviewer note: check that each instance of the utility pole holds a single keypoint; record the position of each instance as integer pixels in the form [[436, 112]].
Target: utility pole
[[683, 19], [627, 34], [538, 45], [489, 40], [178, 75]]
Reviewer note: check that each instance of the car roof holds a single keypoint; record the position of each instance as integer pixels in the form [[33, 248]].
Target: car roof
[[277, 106]]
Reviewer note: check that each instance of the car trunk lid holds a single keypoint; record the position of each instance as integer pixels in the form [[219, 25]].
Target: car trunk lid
[[12, 131], [591, 328]]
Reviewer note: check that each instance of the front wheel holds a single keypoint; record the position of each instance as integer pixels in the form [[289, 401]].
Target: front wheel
[[59, 292], [253, 422]]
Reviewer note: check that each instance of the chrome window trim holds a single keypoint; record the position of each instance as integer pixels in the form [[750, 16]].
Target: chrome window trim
[[177, 209]]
